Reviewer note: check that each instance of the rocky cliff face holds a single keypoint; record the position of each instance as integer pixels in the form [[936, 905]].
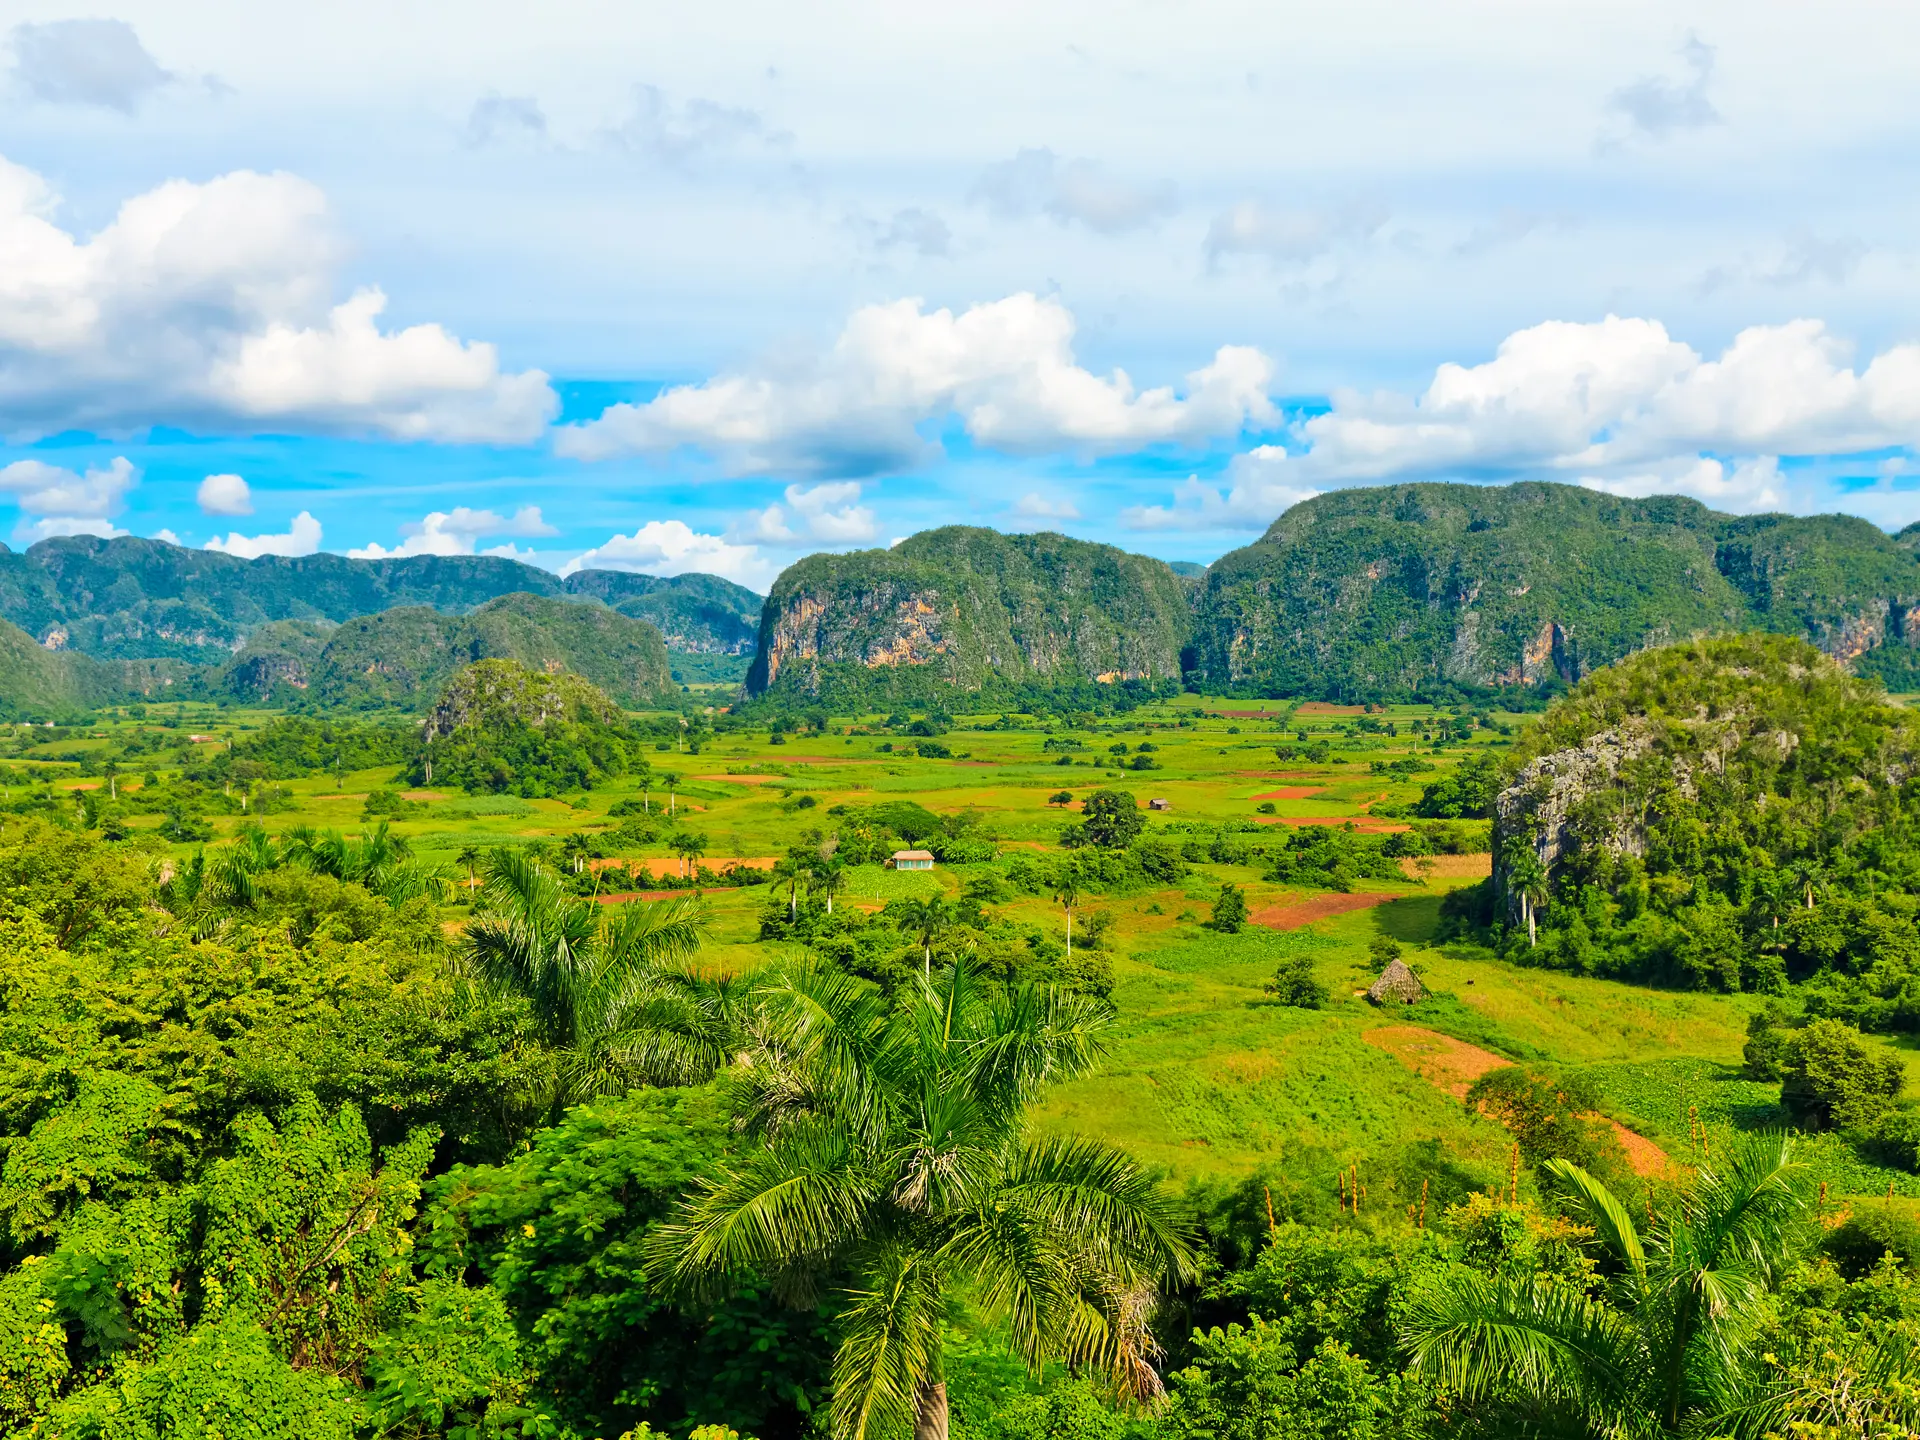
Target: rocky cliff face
[[1372, 593], [969, 610]]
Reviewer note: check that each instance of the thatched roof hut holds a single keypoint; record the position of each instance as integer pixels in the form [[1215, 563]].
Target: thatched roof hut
[[1397, 982]]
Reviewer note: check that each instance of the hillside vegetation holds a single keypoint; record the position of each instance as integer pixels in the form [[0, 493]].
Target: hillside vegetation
[[405, 655], [1734, 814], [1389, 591], [499, 727], [129, 598], [968, 610]]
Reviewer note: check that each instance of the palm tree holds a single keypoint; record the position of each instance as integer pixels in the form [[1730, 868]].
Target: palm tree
[[1669, 1342], [1526, 879], [468, 860], [610, 987], [1066, 894], [827, 878], [672, 782], [925, 918], [893, 1155], [689, 845]]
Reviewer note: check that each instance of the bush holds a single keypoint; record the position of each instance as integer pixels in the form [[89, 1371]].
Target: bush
[[1229, 911], [1830, 1080], [1294, 983]]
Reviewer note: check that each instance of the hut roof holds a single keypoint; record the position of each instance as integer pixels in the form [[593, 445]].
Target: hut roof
[[1397, 982], [913, 855]]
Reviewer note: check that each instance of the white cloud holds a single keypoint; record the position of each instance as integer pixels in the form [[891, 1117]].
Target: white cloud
[[1658, 107], [1750, 486], [207, 306], [677, 135], [225, 495], [506, 120], [454, 532], [1038, 182], [166, 535], [915, 229], [671, 547], [1261, 485], [302, 538], [1035, 506], [1290, 237], [826, 514], [1006, 368], [84, 62], [56, 501]]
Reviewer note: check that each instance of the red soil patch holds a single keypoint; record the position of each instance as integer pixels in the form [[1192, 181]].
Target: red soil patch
[[1453, 1066], [1320, 707], [1277, 774], [625, 895], [1365, 824], [670, 864], [1290, 792], [1321, 907]]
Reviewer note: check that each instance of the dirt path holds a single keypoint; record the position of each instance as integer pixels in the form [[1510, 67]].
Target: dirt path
[[1292, 915], [1453, 1065]]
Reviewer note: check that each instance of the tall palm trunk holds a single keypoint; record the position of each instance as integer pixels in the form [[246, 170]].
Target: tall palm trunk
[[930, 1411]]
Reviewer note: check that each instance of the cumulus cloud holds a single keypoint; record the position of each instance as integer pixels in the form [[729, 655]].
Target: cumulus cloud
[[225, 495], [84, 62], [1259, 486], [1035, 506], [825, 514], [1006, 368], [1038, 182], [455, 532], [1657, 106], [1289, 237], [54, 500], [302, 538], [671, 547], [506, 120], [679, 134], [208, 306]]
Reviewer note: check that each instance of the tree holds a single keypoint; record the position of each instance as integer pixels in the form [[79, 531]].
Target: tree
[[1229, 911], [1671, 1339], [1060, 797], [827, 878], [1066, 894], [1294, 983], [1831, 1080], [1550, 1116], [468, 860], [689, 845], [894, 1159], [925, 919], [1111, 819], [1526, 881], [611, 987], [672, 782]]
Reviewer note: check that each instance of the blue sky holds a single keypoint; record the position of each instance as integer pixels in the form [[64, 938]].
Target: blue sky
[[649, 287]]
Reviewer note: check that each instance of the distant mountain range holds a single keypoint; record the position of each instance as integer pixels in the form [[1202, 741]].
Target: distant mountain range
[[1365, 594], [129, 598], [1444, 591], [85, 620]]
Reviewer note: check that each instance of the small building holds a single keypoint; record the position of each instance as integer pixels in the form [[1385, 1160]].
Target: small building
[[912, 860], [1397, 983], [1159, 804]]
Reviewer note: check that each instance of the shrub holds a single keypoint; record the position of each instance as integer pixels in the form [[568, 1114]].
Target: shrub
[[1294, 983], [1830, 1080], [1229, 911]]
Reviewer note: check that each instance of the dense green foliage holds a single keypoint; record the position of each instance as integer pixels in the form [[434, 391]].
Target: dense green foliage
[[1735, 813], [970, 610], [1431, 589], [499, 727]]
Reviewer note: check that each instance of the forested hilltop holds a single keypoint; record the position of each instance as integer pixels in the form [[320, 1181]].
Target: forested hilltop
[[129, 598], [969, 610], [1388, 591]]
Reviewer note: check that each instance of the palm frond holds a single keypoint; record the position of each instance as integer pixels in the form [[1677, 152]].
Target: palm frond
[[890, 1346], [1600, 1208], [1105, 1202], [1539, 1339]]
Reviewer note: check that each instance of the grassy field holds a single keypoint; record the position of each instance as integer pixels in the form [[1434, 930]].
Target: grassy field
[[1205, 1076]]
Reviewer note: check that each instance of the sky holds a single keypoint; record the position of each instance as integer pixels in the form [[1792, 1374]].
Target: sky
[[672, 288]]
